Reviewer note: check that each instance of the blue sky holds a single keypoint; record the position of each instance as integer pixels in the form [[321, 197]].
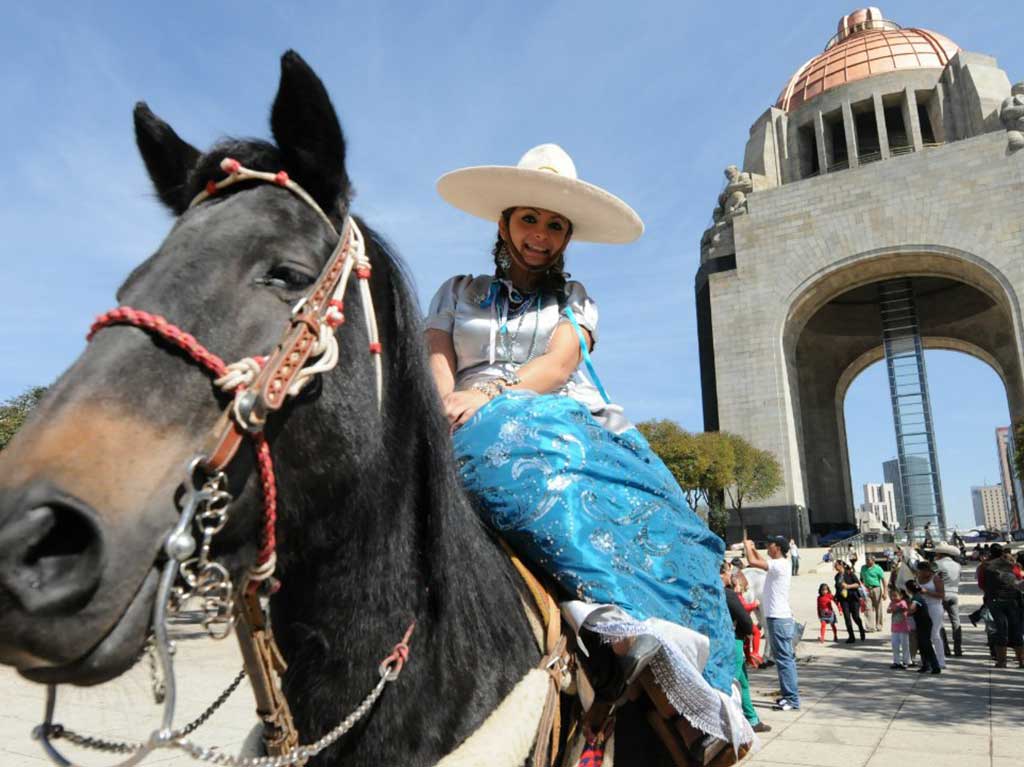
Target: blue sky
[[652, 99]]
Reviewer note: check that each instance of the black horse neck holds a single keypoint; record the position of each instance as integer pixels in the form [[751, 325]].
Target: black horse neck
[[393, 542]]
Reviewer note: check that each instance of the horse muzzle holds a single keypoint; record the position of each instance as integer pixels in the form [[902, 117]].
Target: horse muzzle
[[51, 552], [59, 621]]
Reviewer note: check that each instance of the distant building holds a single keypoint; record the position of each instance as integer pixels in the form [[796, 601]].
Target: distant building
[[1007, 474], [1017, 518], [878, 512], [891, 473], [912, 487], [989, 506]]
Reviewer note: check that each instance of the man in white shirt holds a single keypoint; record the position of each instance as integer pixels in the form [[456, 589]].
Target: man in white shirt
[[794, 556], [779, 615], [948, 569]]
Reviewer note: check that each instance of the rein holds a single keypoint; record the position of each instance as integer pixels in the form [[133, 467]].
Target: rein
[[260, 386]]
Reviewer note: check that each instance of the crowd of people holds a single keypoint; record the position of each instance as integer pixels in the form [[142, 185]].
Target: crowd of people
[[923, 589], [918, 593]]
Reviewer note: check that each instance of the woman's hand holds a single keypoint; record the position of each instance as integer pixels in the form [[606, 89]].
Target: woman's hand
[[459, 406]]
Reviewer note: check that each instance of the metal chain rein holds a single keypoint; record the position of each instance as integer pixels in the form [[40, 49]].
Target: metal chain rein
[[59, 731], [389, 670]]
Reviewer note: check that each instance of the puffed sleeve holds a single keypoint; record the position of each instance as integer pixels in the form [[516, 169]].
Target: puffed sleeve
[[441, 314], [584, 307]]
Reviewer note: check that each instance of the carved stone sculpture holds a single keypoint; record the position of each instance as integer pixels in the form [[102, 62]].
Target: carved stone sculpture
[[732, 202], [1011, 114], [733, 199]]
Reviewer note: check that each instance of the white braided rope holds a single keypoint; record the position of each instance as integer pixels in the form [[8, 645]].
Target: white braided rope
[[237, 173], [241, 373]]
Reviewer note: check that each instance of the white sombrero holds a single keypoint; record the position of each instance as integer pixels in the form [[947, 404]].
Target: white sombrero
[[947, 549], [544, 178]]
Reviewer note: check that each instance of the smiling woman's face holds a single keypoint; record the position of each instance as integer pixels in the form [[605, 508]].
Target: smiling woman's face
[[538, 235]]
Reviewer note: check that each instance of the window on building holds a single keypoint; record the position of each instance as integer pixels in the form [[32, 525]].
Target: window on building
[[865, 127], [807, 148], [929, 115], [895, 125], [835, 141]]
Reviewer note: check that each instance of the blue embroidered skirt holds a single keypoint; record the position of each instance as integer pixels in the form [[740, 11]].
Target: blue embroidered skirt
[[599, 512]]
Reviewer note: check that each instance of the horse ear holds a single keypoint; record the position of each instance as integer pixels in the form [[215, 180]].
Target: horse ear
[[308, 133], [167, 156]]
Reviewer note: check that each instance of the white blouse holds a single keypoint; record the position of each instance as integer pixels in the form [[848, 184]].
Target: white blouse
[[489, 343]]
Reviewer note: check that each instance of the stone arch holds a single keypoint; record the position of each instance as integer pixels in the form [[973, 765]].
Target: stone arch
[[869, 358], [972, 308]]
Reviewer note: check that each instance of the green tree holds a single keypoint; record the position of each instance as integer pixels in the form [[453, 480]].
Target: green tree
[[678, 449], [14, 411], [701, 463], [718, 462], [756, 475]]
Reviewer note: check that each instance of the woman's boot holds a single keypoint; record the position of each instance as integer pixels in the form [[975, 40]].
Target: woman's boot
[[641, 652], [602, 666]]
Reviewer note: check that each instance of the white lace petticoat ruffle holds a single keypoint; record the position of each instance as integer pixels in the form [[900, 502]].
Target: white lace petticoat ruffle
[[676, 667]]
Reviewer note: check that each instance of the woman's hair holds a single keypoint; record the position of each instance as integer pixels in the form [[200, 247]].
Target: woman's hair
[[824, 586], [553, 280], [912, 587], [739, 579]]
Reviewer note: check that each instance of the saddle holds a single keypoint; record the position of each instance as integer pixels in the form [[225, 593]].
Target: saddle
[[578, 725]]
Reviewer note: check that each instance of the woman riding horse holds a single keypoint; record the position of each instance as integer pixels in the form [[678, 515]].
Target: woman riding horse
[[553, 465]]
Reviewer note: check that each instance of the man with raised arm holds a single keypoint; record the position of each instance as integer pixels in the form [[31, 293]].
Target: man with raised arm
[[775, 601]]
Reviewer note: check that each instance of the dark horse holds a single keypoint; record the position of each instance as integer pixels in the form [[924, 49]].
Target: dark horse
[[374, 530]]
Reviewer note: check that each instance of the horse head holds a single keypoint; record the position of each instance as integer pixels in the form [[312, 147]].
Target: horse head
[[88, 486]]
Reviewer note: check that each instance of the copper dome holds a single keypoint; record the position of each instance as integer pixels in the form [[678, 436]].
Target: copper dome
[[865, 45]]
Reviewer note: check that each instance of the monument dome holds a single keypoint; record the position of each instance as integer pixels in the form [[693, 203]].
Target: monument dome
[[866, 44]]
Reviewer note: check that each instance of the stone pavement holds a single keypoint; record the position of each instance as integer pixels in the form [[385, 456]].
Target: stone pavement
[[855, 712]]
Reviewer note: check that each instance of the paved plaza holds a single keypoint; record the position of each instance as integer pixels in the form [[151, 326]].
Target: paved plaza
[[856, 712]]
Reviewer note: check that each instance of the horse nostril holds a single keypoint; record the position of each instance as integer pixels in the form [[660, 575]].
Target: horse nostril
[[50, 558]]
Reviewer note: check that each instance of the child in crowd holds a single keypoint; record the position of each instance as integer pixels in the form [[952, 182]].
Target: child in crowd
[[899, 609], [752, 644], [827, 609], [923, 629]]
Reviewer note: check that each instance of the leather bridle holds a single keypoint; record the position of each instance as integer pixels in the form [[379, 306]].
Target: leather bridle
[[260, 387]]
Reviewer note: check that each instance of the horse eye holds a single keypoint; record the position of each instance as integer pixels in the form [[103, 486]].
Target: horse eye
[[285, 276]]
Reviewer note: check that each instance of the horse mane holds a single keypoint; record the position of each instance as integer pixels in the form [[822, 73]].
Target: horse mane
[[456, 532]]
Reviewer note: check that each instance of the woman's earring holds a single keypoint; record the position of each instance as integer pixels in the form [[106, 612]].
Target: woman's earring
[[504, 259]]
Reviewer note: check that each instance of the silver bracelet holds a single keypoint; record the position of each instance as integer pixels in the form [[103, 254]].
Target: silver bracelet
[[489, 389]]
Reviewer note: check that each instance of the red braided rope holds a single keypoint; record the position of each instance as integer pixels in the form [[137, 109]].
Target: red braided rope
[[154, 323], [159, 326], [268, 535]]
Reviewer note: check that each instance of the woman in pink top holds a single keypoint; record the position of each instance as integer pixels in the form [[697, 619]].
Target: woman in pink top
[[898, 608]]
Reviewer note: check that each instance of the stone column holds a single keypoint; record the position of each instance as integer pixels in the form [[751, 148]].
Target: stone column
[[883, 133], [910, 118], [819, 135], [852, 149]]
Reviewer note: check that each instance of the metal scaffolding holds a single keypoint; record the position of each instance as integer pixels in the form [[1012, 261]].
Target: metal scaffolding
[[911, 410]]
